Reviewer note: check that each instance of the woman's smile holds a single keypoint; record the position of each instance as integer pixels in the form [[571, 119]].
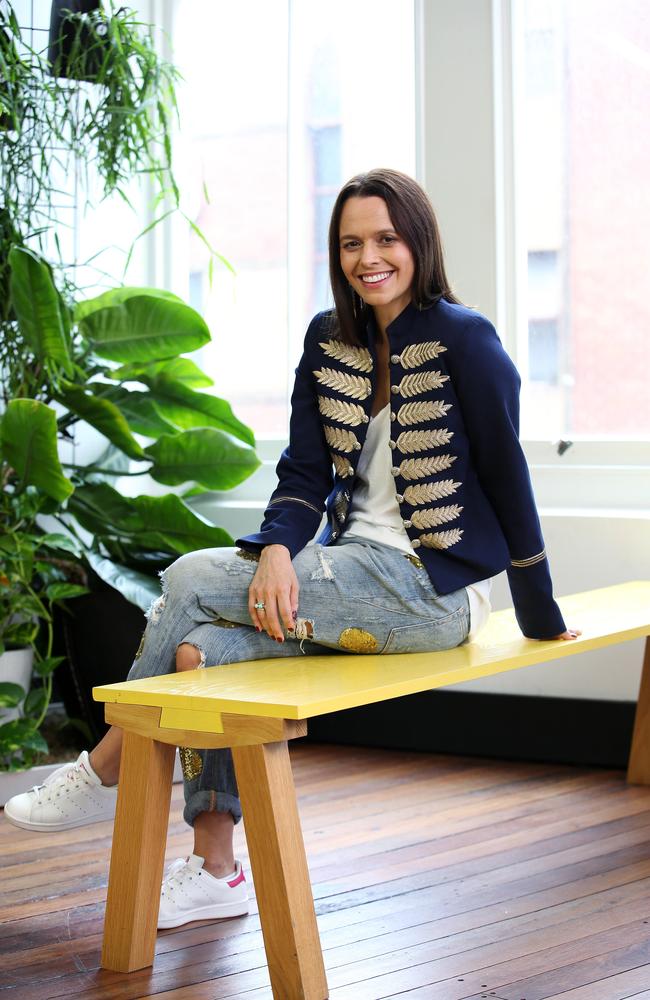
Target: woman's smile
[[376, 279]]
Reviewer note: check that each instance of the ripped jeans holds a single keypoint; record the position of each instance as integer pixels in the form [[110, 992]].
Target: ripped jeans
[[356, 596]]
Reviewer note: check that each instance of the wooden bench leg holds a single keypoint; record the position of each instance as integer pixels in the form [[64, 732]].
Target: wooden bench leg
[[638, 770], [138, 853], [279, 864]]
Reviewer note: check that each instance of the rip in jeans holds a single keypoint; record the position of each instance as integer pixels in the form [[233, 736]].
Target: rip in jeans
[[158, 606], [324, 570]]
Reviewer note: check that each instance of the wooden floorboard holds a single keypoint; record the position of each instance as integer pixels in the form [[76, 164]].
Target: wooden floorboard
[[435, 878]]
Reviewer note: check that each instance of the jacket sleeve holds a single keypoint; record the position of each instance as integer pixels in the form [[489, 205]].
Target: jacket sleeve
[[305, 476], [487, 384]]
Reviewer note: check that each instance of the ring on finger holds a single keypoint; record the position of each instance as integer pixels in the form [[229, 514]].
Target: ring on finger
[[259, 606]]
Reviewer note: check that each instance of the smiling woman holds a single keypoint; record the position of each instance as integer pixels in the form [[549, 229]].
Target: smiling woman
[[419, 517]]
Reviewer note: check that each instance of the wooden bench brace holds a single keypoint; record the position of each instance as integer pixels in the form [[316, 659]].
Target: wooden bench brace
[[255, 708]]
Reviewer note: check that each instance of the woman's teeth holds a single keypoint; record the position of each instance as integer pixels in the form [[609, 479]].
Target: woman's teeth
[[370, 279]]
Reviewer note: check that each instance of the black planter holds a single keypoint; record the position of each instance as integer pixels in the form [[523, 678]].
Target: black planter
[[78, 39], [100, 634]]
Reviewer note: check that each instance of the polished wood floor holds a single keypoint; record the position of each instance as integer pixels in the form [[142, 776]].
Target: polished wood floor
[[435, 878]]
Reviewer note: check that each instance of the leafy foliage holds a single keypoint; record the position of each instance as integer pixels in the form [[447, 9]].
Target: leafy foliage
[[103, 102]]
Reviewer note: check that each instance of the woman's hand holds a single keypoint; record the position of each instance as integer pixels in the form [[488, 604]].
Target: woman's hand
[[275, 584]]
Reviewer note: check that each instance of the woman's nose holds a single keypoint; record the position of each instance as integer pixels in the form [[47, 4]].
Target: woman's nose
[[369, 254]]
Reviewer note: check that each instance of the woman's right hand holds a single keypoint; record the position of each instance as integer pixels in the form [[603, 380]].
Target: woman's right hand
[[275, 584]]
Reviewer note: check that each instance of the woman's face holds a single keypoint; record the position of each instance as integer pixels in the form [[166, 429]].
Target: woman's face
[[375, 259]]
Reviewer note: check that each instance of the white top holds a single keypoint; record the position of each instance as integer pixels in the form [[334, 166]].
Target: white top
[[375, 512]]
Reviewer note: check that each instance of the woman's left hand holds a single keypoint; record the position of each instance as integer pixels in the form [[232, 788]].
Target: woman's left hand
[[571, 633]]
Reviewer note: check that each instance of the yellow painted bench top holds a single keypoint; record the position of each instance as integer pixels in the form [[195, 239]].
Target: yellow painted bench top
[[301, 687]]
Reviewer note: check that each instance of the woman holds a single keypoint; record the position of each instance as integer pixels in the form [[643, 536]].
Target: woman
[[404, 426]]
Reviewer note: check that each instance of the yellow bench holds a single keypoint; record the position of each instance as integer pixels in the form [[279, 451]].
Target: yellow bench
[[255, 708]]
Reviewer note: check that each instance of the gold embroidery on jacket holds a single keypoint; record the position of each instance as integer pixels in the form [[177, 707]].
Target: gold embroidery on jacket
[[418, 468], [354, 357], [426, 492], [410, 441], [420, 413], [356, 386], [433, 516], [342, 440], [419, 382], [338, 409], [417, 354], [442, 539], [342, 465], [531, 561]]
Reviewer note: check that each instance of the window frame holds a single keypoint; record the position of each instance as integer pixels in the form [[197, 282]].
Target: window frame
[[466, 48], [470, 52]]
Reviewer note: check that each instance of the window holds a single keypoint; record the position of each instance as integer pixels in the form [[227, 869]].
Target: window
[[282, 102], [582, 163]]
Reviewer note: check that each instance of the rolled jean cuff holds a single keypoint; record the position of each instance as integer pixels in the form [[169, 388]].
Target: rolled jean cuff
[[209, 801]]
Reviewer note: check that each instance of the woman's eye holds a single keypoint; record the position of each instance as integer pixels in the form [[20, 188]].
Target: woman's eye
[[351, 245], [389, 239]]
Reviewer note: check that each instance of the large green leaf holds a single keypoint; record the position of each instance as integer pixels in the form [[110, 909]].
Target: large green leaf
[[38, 307], [163, 524], [182, 369], [187, 408], [100, 509], [148, 326], [28, 434], [103, 415], [138, 588], [115, 296], [204, 455], [138, 408], [181, 528]]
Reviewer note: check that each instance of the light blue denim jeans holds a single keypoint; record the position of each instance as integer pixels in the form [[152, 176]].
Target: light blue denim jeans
[[356, 596]]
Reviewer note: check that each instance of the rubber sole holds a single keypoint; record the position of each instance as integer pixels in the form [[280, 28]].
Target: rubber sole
[[217, 912], [26, 824]]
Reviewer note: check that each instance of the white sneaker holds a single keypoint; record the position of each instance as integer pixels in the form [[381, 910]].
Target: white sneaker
[[71, 796], [190, 893]]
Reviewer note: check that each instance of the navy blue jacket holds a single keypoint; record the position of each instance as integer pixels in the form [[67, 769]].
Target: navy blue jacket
[[461, 479]]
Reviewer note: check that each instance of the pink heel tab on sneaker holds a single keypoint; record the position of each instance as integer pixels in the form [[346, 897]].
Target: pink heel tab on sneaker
[[238, 878]]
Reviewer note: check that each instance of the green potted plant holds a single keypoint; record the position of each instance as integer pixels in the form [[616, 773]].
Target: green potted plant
[[114, 362], [35, 575]]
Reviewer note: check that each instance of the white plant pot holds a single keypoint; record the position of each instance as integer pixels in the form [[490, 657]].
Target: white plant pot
[[16, 667]]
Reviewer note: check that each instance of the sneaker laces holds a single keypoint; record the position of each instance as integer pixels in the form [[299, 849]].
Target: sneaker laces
[[179, 871], [69, 772]]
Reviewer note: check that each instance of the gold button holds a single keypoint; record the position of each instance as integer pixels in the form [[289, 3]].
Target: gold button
[[393, 416], [416, 543], [394, 359], [399, 498], [394, 389], [366, 418], [392, 444], [407, 524], [394, 471]]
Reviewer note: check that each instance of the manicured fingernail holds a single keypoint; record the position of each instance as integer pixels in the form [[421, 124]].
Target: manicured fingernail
[[257, 628], [294, 615], [278, 640]]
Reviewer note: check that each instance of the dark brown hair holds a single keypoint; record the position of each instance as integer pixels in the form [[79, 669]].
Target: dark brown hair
[[414, 220]]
